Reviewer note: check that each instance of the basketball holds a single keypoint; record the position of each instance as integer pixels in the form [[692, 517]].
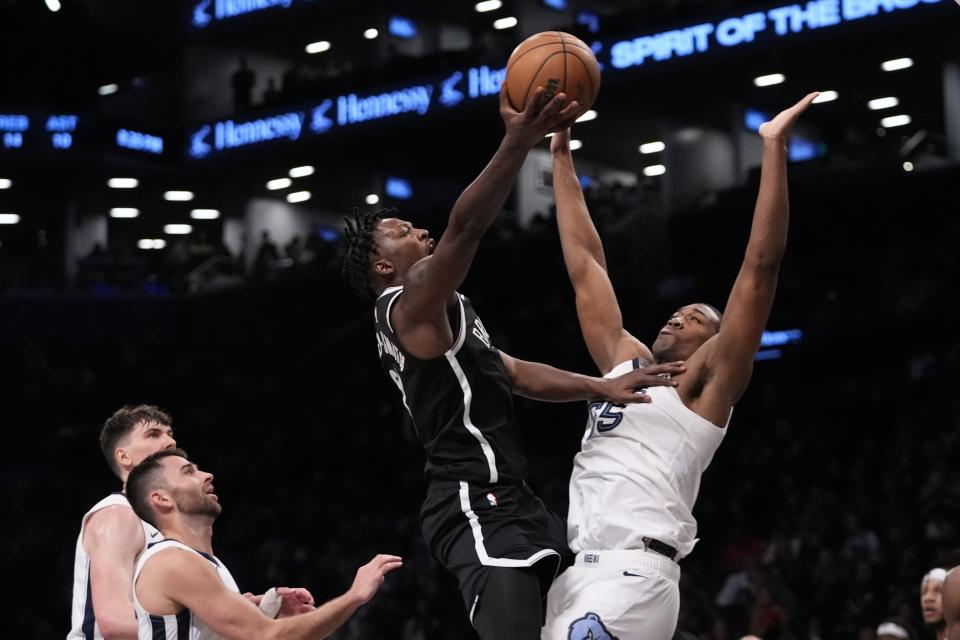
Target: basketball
[[556, 61]]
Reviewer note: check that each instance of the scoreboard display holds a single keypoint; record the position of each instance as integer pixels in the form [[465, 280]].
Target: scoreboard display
[[67, 135], [54, 132]]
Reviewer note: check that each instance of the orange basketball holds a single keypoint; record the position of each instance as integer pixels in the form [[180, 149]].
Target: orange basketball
[[556, 61]]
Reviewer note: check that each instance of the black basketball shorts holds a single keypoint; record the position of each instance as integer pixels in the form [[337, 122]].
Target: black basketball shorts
[[471, 529]]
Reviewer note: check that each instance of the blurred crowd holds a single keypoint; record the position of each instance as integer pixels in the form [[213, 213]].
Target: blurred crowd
[[835, 491]]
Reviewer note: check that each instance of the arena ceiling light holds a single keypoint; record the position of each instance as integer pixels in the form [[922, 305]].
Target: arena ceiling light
[[654, 170], [151, 243], [908, 166], [505, 23], [318, 47], [487, 5], [204, 214], [279, 183], [826, 96], [882, 103], [178, 196], [177, 229], [108, 89], [301, 172], [895, 121], [769, 80], [123, 183], [124, 212], [298, 196], [575, 144], [372, 199], [587, 116], [652, 147], [53, 5], [5, 183], [371, 33], [9, 218], [897, 65]]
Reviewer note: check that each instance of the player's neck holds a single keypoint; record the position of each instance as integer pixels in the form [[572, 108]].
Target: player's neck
[[195, 532]]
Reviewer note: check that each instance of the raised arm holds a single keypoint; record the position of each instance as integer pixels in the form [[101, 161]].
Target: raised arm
[[542, 382], [597, 308], [112, 538], [431, 282], [730, 360], [192, 582], [951, 603]]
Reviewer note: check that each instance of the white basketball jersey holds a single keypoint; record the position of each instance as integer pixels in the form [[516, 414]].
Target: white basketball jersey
[[183, 625], [83, 624], [638, 472]]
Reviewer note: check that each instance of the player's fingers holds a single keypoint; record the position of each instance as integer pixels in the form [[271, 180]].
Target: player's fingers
[[390, 566], [505, 105], [655, 381], [635, 398], [667, 367], [805, 102], [386, 557], [533, 103], [564, 118], [553, 107]]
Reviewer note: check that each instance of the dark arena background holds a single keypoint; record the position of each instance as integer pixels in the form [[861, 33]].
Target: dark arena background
[[172, 180]]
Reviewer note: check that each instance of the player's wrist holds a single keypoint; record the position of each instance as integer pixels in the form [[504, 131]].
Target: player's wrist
[[518, 141]]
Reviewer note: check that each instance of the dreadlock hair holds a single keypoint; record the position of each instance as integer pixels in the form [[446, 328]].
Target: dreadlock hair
[[359, 232]]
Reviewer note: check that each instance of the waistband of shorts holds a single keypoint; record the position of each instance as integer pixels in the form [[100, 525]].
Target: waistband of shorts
[[446, 486], [627, 558]]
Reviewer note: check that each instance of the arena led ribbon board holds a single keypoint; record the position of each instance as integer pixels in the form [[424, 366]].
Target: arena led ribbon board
[[744, 29], [420, 98]]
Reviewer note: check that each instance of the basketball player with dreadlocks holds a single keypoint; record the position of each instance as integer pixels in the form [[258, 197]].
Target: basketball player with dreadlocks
[[637, 476], [480, 519]]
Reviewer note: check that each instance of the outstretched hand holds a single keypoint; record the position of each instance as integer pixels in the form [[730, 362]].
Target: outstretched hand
[[779, 128], [371, 575], [528, 127], [628, 388]]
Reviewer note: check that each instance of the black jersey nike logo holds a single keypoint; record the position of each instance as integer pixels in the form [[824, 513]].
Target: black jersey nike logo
[[634, 575], [154, 534]]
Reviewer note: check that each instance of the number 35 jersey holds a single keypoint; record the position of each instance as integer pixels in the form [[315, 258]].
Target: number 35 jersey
[[461, 402], [638, 472]]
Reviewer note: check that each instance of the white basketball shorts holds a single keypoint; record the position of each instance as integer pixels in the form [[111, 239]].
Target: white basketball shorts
[[615, 595]]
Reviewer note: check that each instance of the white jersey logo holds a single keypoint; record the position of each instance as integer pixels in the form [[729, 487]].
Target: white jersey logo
[[481, 333]]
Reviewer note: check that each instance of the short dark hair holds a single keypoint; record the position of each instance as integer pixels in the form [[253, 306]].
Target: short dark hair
[[122, 422], [144, 478], [361, 246], [716, 311]]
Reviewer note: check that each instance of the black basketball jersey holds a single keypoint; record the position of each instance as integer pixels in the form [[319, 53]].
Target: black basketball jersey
[[461, 403]]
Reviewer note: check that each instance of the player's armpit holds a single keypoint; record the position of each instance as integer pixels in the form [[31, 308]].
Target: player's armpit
[[112, 539]]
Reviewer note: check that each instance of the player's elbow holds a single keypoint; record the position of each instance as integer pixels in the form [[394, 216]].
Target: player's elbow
[[117, 627]]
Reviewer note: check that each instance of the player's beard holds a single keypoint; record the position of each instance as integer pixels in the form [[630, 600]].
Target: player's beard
[[196, 504]]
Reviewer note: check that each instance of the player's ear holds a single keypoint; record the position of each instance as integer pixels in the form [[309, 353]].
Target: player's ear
[[122, 459], [161, 501], [382, 267]]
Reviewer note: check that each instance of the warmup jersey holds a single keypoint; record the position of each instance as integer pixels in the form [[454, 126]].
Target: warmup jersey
[[83, 624], [638, 472], [183, 625], [461, 403]]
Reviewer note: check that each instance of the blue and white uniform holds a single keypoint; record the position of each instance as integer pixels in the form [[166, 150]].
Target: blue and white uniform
[[83, 623], [632, 492], [180, 626]]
